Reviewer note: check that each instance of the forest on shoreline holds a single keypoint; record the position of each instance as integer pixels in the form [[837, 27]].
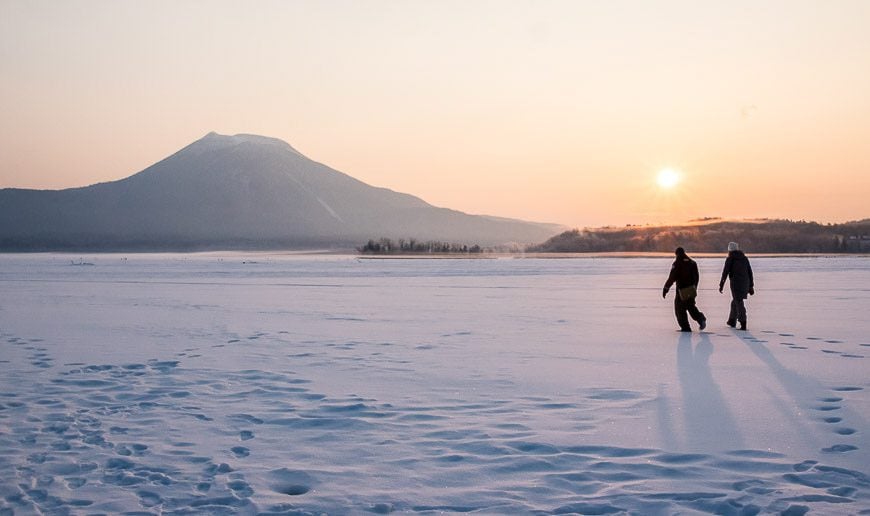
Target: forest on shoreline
[[710, 235], [713, 235]]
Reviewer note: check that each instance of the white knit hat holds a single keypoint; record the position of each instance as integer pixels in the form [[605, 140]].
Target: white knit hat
[[732, 246]]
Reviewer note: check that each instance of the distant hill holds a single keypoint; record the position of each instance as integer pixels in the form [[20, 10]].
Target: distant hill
[[238, 192], [762, 236]]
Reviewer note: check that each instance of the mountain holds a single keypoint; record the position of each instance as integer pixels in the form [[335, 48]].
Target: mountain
[[237, 192], [713, 235]]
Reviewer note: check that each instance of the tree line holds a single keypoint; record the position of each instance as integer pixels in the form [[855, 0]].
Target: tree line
[[764, 236], [708, 235], [413, 246]]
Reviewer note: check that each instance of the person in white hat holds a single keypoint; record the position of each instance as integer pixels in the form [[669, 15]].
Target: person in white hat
[[738, 269]]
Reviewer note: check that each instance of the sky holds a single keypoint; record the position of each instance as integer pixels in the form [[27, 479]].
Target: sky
[[553, 111]]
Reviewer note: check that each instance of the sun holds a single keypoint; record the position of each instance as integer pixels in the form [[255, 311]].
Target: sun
[[668, 178]]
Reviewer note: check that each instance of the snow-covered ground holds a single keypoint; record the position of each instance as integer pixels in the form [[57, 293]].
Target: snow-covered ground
[[223, 383]]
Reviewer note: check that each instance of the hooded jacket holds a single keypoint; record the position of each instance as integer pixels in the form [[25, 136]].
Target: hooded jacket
[[737, 268], [684, 272]]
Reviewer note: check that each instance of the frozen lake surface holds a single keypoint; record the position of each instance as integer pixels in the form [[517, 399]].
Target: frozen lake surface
[[229, 383]]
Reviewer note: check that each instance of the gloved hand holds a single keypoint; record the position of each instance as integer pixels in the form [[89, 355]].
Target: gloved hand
[[664, 293], [751, 291], [721, 286]]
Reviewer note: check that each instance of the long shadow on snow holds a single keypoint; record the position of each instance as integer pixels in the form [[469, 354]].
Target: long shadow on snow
[[708, 419], [801, 389]]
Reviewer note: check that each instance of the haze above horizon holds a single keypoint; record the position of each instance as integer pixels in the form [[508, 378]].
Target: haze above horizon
[[555, 111]]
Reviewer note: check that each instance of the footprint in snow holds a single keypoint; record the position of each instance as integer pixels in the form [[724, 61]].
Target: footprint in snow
[[291, 482], [840, 448], [240, 451]]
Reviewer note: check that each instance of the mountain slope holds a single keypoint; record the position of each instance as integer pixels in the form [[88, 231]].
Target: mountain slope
[[241, 191]]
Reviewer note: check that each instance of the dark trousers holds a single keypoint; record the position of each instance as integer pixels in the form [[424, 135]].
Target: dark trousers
[[738, 308], [682, 307]]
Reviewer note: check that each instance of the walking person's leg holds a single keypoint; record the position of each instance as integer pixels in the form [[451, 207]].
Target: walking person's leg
[[680, 312], [732, 315], [692, 308], [738, 309], [696, 313], [741, 313]]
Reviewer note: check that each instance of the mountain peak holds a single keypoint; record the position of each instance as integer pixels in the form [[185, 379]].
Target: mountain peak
[[213, 141], [239, 191]]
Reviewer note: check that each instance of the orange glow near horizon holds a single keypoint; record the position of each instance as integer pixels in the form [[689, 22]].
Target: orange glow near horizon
[[554, 111]]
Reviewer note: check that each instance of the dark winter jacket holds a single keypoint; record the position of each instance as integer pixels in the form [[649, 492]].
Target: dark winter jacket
[[684, 272], [738, 269]]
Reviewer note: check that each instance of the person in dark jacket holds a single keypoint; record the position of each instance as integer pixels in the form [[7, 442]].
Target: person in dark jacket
[[684, 272], [737, 268]]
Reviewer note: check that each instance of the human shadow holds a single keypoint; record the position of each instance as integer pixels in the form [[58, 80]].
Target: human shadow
[[665, 411], [708, 420], [798, 387], [806, 392]]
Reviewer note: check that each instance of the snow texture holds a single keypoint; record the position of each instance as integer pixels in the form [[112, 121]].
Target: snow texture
[[245, 384]]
